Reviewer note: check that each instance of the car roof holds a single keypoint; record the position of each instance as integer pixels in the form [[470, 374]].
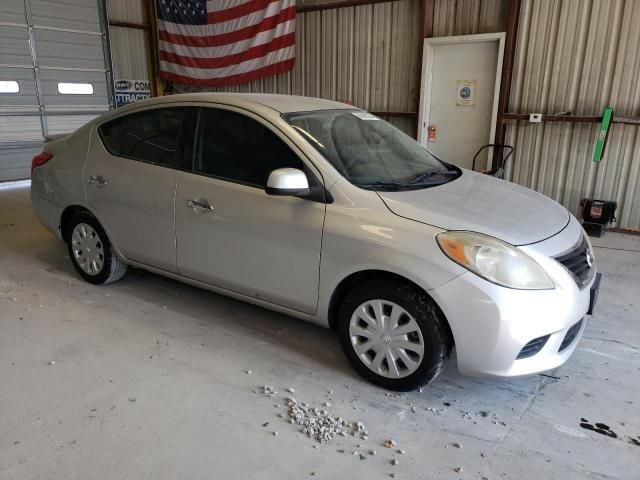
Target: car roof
[[280, 103]]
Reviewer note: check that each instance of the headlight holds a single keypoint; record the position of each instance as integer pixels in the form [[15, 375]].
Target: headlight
[[494, 260]]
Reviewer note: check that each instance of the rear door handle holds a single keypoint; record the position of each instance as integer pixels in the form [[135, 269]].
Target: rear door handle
[[199, 206], [96, 180]]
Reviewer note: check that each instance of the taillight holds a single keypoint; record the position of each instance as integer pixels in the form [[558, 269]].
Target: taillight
[[40, 159]]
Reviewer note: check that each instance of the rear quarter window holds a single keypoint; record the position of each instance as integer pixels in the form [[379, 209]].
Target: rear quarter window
[[150, 136], [112, 134]]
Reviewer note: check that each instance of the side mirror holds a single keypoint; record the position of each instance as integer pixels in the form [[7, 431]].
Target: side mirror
[[288, 182]]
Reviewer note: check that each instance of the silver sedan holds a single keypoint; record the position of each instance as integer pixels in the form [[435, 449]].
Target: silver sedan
[[329, 214]]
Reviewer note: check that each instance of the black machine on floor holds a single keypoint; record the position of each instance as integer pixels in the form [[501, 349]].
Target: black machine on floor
[[595, 215]]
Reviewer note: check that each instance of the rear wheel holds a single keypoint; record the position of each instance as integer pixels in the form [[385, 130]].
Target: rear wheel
[[393, 334], [91, 252]]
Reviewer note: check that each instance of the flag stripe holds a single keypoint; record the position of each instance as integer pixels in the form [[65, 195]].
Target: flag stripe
[[244, 67], [231, 48], [273, 69], [236, 58], [216, 5], [239, 11], [246, 33]]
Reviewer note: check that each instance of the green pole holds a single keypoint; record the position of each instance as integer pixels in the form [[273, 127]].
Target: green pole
[[602, 134]]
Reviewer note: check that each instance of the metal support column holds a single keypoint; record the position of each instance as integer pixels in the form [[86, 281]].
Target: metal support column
[[106, 48]]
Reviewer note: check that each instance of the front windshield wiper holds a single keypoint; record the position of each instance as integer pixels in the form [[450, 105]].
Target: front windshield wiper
[[383, 185], [420, 178]]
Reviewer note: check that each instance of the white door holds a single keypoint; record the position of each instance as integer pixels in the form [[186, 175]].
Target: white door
[[459, 96]]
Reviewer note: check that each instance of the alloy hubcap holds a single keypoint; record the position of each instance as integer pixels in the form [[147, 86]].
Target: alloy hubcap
[[87, 249], [386, 338]]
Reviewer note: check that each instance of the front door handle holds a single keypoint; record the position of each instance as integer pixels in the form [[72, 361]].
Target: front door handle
[[96, 180], [199, 206]]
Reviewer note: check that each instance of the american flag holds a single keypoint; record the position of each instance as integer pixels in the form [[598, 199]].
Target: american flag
[[225, 42]]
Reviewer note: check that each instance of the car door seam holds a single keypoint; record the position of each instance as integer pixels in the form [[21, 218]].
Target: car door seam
[[84, 166], [324, 219], [175, 229]]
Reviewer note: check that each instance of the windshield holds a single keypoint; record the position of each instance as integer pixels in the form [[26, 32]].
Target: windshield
[[369, 152]]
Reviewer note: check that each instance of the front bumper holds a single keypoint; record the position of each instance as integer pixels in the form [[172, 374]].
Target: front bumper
[[491, 324]]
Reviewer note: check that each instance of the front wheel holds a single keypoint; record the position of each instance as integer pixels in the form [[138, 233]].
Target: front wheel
[[393, 334], [91, 252]]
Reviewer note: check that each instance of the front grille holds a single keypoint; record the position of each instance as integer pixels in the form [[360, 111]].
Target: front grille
[[571, 335], [578, 263], [533, 347]]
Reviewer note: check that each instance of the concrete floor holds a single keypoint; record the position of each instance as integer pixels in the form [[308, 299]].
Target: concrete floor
[[149, 382]]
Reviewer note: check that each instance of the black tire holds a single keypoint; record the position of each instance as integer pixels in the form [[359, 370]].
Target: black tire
[[113, 267], [431, 322]]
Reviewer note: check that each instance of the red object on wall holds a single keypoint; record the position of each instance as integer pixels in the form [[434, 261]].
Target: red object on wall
[[431, 133]]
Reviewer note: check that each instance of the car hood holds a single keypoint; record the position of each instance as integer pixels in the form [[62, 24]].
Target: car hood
[[483, 204]]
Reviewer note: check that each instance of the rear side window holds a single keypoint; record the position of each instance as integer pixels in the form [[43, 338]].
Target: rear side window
[[112, 134], [152, 136], [238, 148]]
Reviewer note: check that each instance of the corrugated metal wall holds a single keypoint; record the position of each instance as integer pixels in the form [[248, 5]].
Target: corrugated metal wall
[[468, 17], [578, 56], [128, 47], [369, 55], [131, 11], [129, 51]]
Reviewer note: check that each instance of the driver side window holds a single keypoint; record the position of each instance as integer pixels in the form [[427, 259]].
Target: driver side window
[[235, 147]]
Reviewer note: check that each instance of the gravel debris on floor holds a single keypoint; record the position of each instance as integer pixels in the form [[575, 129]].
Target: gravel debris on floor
[[437, 411], [320, 424], [269, 391]]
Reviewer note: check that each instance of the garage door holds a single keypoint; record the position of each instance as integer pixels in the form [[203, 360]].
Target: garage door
[[54, 74]]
